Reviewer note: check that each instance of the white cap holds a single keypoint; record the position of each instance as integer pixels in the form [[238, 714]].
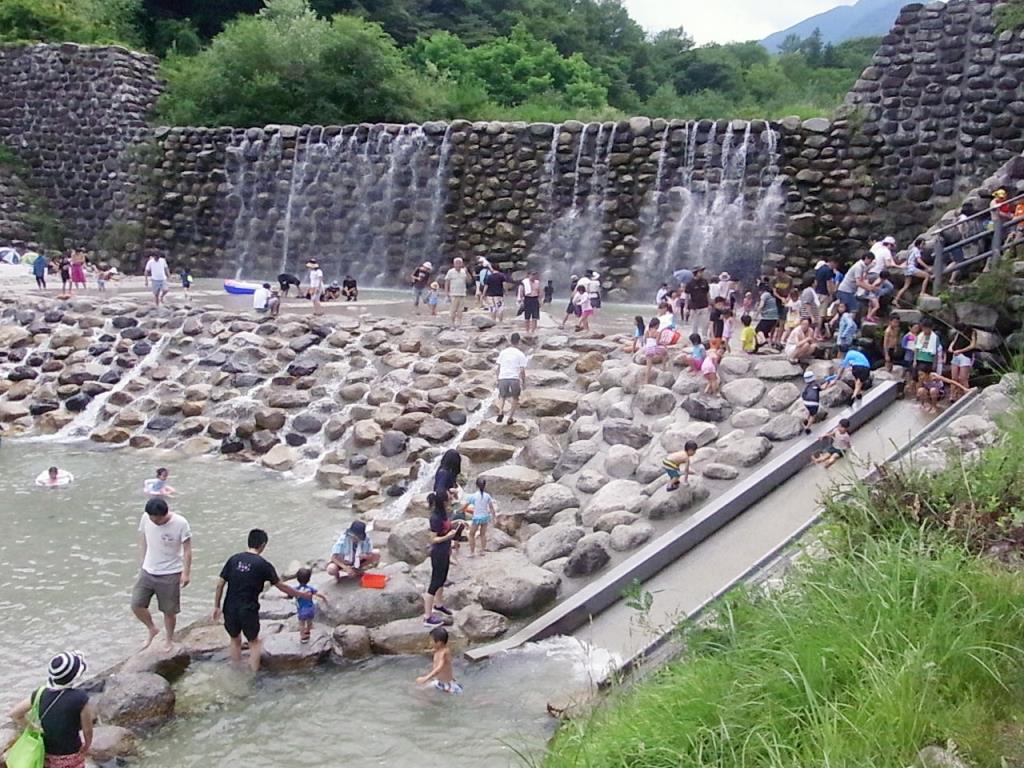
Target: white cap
[[428, 265], [890, 240], [809, 376]]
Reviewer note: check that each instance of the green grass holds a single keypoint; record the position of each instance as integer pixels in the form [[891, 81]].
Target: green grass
[[903, 637]]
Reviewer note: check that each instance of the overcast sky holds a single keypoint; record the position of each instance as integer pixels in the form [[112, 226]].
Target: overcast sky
[[724, 21]]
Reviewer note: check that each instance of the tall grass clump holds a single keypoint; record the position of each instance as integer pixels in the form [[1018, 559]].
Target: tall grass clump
[[904, 636]]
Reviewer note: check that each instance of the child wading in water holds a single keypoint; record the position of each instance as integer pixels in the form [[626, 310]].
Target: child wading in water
[[441, 672], [305, 607], [677, 465], [841, 443], [481, 505]]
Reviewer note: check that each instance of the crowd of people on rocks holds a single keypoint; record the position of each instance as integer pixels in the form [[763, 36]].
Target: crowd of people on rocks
[[825, 314]]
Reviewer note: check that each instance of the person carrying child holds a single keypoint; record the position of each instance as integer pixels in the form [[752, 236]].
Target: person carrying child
[[482, 507], [304, 606], [841, 443], [677, 465], [441, 673]]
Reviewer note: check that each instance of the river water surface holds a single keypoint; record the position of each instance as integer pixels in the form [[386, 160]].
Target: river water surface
[[70, 562]]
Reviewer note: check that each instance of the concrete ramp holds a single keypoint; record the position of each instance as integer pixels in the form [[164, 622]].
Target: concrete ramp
[[705, 562]]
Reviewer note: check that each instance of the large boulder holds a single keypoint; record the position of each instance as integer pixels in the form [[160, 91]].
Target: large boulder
[[665, 503], [409, 540], [513, 586], [781, 396], [541, 452], [621, 461], [112, 743], [777, 370], [750, 417], [588, 556], [513, 480], [626, 537], [745, 452], [706, 407], [548, 500], [744, 393], [135, 699], [351, 642], [436, 430], [408, 636], [479, 625], [486, 450], [976, 315], [552, 542], [677, 436], [285, 651], [348, 603], [393, 443], [367, 432], [785, 426], [549, 402], [281, 458], [615, 495], [652, 400], [715, 471], [624, 432], [574, 457]]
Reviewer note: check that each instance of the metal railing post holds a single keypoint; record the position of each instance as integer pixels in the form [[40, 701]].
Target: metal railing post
[[997, 240], [938, 266]]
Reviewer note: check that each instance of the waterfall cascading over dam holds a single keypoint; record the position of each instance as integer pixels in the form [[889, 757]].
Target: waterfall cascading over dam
[[374, 201]]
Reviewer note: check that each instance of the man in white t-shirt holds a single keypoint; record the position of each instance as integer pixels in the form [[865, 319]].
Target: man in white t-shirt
[[855, 278], [165, 543], [315, 278], [455, 282], [885, 253], [511, 377], [260, 298], [156, 276]]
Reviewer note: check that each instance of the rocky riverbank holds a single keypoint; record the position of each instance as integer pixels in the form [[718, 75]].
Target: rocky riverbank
[[360, 408]]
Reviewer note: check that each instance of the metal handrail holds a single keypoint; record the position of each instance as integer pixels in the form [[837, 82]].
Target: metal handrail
[[1004, 247], [939, 266], [986, 212]]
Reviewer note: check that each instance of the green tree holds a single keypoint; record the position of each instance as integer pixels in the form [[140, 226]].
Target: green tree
[[287, 65], [80, 21], [512, 69]]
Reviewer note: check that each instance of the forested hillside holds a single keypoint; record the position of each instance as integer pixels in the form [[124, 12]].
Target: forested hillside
[[261, 61]]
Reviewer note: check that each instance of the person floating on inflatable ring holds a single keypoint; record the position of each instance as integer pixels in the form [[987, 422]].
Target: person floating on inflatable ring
[[54, 478]]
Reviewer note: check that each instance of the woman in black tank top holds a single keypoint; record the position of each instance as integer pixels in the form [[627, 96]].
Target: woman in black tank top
[[65, 713]]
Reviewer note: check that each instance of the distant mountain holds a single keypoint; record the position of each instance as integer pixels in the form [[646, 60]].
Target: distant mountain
[[867, 18]]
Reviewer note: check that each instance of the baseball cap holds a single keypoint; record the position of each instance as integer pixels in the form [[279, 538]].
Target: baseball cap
[[358, 529], [809, 376]]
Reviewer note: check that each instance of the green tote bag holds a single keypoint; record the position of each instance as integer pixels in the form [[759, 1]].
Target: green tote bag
[[28, 750]]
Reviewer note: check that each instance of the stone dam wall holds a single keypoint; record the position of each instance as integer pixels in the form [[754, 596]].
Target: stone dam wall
[[72, 114], [940, 108]]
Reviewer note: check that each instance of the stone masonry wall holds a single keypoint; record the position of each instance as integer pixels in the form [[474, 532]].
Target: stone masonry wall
[[70, 112], [939, 109]]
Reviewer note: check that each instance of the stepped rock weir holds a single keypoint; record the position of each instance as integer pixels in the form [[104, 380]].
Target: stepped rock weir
[[940, 108]]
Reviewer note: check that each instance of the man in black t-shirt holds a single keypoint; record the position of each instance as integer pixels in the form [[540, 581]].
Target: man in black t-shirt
[[420, 279], [698, 293], [245, 574]]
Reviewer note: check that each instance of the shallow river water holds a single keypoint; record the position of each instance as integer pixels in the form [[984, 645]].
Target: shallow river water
[[70, 562]]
